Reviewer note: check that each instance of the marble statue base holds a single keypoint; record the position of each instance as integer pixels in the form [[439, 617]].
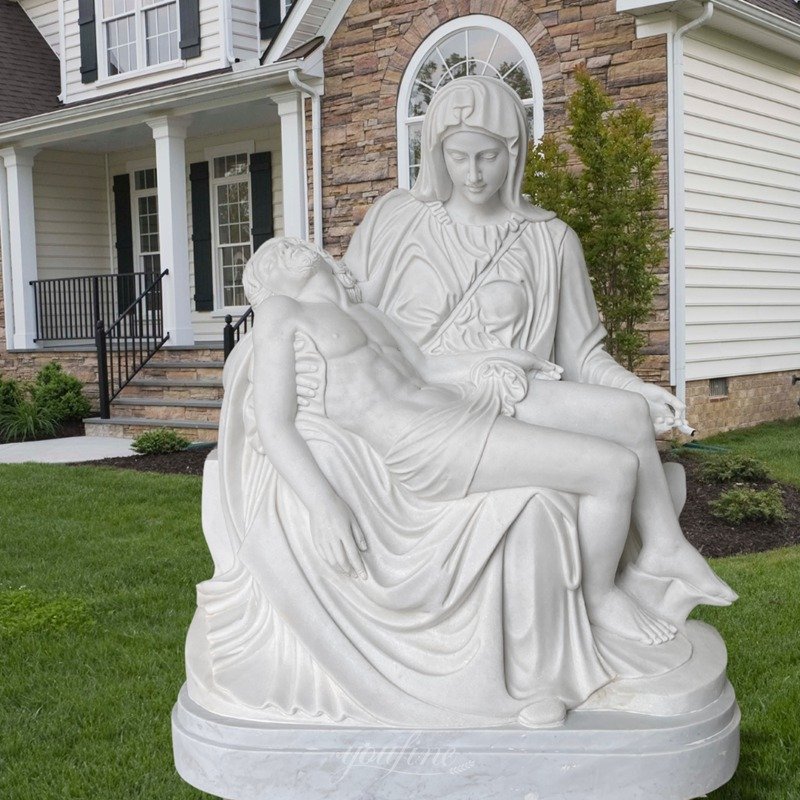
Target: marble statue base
[[637, 753]]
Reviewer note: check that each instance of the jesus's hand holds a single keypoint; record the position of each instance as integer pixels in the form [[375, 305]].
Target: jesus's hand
[[338, 538]]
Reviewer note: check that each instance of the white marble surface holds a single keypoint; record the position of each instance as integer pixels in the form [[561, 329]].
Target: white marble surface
[[596, 755], [438, 505]]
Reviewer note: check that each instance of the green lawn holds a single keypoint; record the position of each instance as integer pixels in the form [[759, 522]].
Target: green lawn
[[97, 575], [777, 444]]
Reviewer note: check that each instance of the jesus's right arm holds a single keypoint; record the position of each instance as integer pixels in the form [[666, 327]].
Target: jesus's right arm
[[334, 529]]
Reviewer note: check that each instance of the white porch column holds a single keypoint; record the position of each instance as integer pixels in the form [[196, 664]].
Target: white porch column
[[293, 161], [5, 258], [173, 229], [19, 245]]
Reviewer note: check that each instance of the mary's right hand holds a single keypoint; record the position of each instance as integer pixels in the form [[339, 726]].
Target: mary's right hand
[[338, 538]]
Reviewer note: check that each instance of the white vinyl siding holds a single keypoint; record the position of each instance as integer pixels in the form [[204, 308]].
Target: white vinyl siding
[[70, 204], [209, 59], [244, 25], [742, 174], [208, 325], [44, 15]]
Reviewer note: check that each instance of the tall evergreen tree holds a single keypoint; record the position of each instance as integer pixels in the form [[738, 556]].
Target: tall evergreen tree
[[610, 198]]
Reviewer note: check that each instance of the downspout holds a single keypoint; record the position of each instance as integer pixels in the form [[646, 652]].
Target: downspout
[[228, 56], [677, 205], [62, 56], [316, 151]]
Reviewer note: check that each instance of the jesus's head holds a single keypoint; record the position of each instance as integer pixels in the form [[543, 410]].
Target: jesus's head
[[285, 265]]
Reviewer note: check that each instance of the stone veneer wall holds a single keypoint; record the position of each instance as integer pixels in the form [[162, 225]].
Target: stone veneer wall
[[369, 52], [751, 399]]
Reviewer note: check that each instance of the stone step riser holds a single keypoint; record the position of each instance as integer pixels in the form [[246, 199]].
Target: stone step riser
[[131, 431], [183, 373], [165, 355], [173, 392], [186, 413]]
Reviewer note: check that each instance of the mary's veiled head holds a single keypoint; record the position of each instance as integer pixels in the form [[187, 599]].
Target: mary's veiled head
[[486, 105]]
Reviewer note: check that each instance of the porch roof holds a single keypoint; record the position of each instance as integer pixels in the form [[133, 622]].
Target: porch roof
[[219, 89], [30, 79]]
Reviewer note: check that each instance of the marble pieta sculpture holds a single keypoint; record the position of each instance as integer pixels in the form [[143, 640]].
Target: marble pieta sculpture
[[437, 502]]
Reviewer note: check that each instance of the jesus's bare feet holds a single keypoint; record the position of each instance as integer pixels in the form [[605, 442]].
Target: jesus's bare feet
[[614, 611], [682, 561]]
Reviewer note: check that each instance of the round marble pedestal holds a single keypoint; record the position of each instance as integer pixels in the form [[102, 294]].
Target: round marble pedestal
[[596, 754]]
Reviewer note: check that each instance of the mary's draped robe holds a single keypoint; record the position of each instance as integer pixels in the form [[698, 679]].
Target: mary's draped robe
[[473, 607]]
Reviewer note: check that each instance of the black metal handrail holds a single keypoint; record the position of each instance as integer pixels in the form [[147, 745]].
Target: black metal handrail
[[68, 309], [134, 337], [234, 331]]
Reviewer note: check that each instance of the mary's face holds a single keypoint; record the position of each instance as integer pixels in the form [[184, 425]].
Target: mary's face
[[477, 164]]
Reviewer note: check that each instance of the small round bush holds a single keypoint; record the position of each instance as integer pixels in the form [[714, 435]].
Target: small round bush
[[11, 393], [160, 440], [745, 504], [59, 395], [731, 467], [25, 421]]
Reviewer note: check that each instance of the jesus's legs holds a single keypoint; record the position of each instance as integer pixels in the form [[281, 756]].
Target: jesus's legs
[[623, 417], [603, 474]]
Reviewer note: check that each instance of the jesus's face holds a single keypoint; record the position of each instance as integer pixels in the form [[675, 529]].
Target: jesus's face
[[477, 164]]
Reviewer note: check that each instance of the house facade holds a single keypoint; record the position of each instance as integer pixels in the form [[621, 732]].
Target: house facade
[[161, 141]]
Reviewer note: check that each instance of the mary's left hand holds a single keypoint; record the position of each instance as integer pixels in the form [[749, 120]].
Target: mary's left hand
[[666, 410]]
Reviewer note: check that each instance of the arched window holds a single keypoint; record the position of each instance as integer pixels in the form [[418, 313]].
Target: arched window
[[471, 45]]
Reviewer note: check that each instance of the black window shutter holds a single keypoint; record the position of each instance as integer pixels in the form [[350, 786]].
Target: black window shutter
[[261, 192], [124, 242], [124, 224], [88, 34], [201, 237], [189, 11], [269, 18]]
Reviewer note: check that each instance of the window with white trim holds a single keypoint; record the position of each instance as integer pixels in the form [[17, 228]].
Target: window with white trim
[[139, 34], [471, 45], [230, 191], [145, 204]]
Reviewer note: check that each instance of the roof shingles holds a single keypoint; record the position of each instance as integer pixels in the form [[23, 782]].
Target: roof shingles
[[30, 77], [787, 9]]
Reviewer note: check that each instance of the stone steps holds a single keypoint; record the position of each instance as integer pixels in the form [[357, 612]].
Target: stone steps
[[178, 388]]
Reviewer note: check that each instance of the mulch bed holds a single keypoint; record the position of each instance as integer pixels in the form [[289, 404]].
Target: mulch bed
[[187, 462], [713, 537]]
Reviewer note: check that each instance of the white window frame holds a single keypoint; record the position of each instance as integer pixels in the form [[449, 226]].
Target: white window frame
[[210, 153], [133, 168], [439, 35], [142, 68]]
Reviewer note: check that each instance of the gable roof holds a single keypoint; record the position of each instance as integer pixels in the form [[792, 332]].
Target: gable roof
[[30, 77], [305, 21], [787, 9]]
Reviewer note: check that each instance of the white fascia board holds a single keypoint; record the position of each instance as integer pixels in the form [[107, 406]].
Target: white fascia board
[[103, 115], [736, 17], [283, 42]]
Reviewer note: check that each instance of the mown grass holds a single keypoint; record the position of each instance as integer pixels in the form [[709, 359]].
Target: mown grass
[[777, 444], [762, 633], [97, 575]]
